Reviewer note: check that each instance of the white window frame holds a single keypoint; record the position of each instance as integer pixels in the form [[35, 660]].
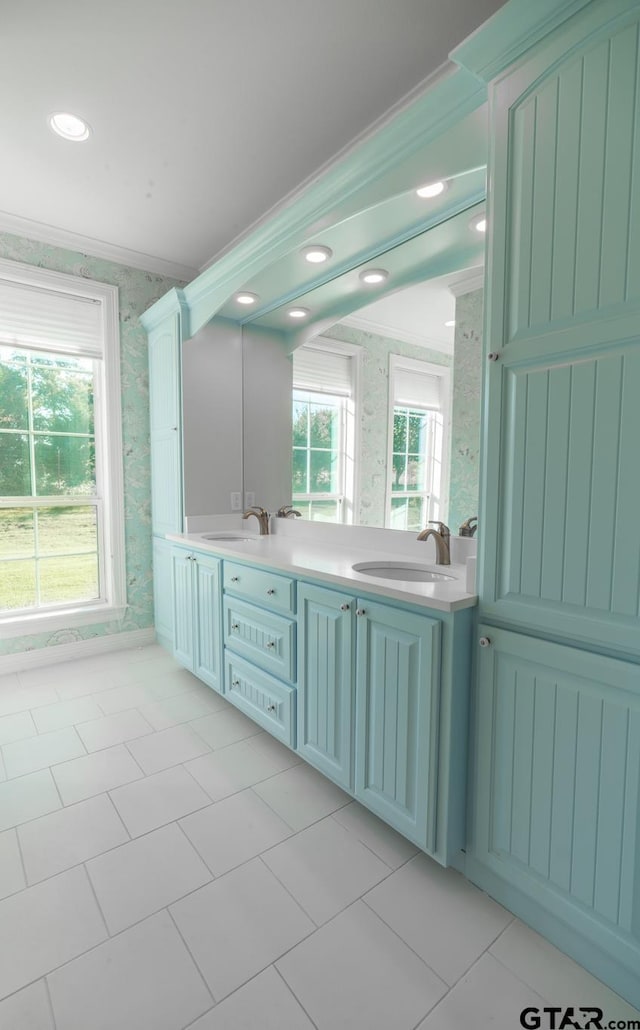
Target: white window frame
[[108, 450], [442, 372], [350, 453]]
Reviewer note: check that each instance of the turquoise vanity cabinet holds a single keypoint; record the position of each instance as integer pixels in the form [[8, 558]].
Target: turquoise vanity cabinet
[[556, 826], [196, 602]]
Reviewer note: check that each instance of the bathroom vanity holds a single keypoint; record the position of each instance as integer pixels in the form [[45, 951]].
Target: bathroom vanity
[[366, 681]]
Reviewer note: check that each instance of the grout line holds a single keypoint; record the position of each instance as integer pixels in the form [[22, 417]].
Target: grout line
[[293, 993], [190, 953], [95, 896], [50, 1000], [24, 867], [316, 926]]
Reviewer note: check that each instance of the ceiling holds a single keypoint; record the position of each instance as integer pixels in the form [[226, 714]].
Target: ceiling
[[205, 114]]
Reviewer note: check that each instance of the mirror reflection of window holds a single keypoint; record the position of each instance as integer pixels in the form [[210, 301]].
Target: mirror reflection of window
[[324, 432], [416, 470]]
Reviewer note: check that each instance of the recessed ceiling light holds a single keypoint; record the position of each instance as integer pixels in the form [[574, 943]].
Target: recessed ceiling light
[[69, 126], [298, 312], [451, 323], [432, 189], [316, 254], [480, 224], [246, 298], [372, 276]]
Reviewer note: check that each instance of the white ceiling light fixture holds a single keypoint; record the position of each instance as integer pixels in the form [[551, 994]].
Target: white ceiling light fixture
[[432, 189], [450, 323], [317, 254], [373, 276], [298, 312], [246, 298], [479, 224], [69, 126]]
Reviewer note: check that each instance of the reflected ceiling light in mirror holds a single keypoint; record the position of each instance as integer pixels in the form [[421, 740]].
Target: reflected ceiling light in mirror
[[298, 312], [480, 223], [246, 298], [69, 126], [317, 254], [432, 189], [374, 276], [450, 324]]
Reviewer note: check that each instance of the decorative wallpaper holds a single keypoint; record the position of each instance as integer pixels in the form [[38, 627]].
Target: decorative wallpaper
[[374, 419], [137, 291], [465, 417]]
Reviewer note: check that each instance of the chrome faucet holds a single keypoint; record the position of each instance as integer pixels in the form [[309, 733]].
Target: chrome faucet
[[262, 516], [287, 511], [441, 536], [468, 528]]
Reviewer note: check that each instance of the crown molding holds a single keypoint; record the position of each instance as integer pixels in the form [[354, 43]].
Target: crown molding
[[55, 237], [468, 283], [368, 325]]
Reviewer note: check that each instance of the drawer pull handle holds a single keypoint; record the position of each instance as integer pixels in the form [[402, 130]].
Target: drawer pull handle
[[361, 611], [235, 579], [235, 683], [271, 708], [270, 643], [235, 625], [344, 607], [270, 591]]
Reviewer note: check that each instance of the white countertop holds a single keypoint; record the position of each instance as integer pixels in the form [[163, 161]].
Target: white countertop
[[333, 563]]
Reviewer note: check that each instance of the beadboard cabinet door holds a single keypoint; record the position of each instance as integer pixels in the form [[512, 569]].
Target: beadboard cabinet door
[[197, 620], [325, 675], [166, 427], [560, 545], [397, 706]]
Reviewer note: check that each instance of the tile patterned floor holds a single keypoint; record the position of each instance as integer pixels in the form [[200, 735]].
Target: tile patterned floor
[[166, 865]]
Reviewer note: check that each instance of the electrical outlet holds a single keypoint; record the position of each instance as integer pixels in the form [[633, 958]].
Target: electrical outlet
[[249, 499], [236, 501]]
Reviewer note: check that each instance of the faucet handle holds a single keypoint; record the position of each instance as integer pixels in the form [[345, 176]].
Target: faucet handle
[[468, 528], [443, 529], [287, 511]]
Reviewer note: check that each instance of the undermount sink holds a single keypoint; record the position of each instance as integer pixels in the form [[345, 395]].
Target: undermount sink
[[407, 571], [227, 536]]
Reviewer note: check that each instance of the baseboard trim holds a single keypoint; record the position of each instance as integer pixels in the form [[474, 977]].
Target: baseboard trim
[[77, 649]]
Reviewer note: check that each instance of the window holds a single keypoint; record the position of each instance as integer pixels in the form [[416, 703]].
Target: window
[[61, 507], [323, 431], [417, 443]]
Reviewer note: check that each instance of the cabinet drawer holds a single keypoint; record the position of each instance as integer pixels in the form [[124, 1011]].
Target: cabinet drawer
[[263, 637], [261, 586], [262, 698]]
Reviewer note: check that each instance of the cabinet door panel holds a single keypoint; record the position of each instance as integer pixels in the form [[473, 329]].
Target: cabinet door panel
[[183, 607], [325, 672], [207, 664], [558, 782], [162, 592], [397, 700], [166, 418]]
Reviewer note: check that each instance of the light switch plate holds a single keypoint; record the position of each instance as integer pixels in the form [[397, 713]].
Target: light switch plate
[[249, 499], [236, 501]]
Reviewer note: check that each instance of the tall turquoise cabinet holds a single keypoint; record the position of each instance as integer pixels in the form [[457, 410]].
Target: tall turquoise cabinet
[[556, 763]]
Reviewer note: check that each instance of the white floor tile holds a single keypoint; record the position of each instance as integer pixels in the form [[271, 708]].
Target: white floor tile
[[234, 830], [182, 708], [233, 768], [120, 699], [16, 727], [28, 1009], [269, 747], [21, 700], [103, 770], [168, 747], [325, 868], [63, 839], [225, 727], [488, 997], [3, 774], [144, 979], [12, 877], [65, 713], [446, 920], [159, 799], [27, 798], [388, 845], [46, 925], [301, 796], [140, 878], [354, 972], [25, 756], [113, 729], [554, 975], [83, 684], [9, 683], [265, 1003], [238, 925]]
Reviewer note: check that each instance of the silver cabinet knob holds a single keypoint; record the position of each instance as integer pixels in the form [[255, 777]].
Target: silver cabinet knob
[[494, 356], [270, 644], [484, 641], [235, 683], [235, 579], [271, 708], [361, 611], [270, 592], [344, 607], [235, 625]]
